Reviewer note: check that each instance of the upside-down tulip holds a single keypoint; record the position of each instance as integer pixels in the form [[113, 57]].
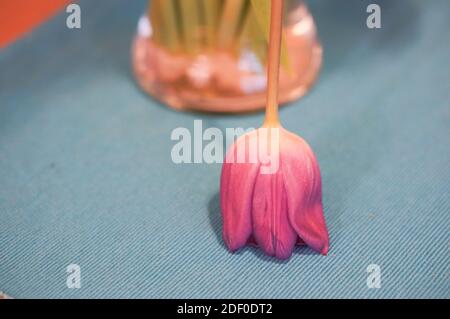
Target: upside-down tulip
[[278, 203], [275, 210]]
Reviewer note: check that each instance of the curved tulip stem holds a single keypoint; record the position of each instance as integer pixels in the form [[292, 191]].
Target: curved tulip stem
[[276, 29]]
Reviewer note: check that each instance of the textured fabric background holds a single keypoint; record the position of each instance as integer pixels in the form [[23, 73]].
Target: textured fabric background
[[86, 175]]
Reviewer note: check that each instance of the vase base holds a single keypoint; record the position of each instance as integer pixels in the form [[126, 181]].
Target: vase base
[[220, 81]]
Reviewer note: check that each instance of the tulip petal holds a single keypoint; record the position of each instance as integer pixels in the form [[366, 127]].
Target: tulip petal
[[304, 192], [271, 227], [236, 191]]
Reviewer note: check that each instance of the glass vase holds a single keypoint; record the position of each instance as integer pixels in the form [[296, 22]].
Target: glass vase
[[210, 55]]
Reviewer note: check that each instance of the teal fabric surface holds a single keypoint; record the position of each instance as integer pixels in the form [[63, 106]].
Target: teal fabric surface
[[86, 175]]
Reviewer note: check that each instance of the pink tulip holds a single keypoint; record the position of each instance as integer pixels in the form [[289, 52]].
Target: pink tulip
[[276, 210], [277, 203]]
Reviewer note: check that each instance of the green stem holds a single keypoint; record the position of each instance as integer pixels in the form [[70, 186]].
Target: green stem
[[190, 24], [229, 23], [168, 14], [211, 9]]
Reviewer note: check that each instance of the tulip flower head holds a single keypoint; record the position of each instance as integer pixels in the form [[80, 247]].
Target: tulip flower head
[[270, 188], [272, 209]]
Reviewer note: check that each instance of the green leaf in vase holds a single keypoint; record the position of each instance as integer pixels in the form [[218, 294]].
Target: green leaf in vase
[[164, 22], [211, 15], [154, 13], [232, 13], [253, 36], [190, 24]]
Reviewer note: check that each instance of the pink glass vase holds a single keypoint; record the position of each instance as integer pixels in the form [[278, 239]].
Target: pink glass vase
[[225, 77]]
